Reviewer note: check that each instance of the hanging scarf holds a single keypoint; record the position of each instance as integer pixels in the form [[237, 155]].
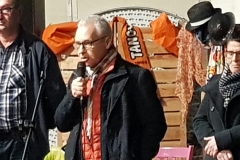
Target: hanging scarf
[[229, 84], [93, 74]]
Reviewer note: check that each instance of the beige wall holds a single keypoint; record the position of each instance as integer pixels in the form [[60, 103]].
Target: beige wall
[[58, 11], [229, 6]]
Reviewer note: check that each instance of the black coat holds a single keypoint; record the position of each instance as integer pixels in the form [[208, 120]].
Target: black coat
[[39, 58], [132, 118], [212, 119]]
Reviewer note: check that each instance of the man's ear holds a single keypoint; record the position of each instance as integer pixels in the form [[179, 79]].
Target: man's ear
[[109, 42]]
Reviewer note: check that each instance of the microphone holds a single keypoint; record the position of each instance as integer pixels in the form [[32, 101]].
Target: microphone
[[81, 70]]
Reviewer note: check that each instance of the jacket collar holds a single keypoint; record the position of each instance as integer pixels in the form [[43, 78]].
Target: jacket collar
[[119, 69], [212, 88]]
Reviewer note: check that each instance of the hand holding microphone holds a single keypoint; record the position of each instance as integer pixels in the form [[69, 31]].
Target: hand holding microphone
[[79, 86]]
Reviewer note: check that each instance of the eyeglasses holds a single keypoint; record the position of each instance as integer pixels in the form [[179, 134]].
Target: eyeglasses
[[88, 44], [6, 10], [230, 54]]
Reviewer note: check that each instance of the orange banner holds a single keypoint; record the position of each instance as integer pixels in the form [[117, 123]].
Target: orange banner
[[133, 45], [60, 36]]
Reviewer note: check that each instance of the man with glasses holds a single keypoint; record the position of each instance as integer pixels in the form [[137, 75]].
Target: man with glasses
[[217, 122], [122, 117], [25, 63]]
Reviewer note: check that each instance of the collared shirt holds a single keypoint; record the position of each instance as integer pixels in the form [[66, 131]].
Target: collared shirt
[[12, 87]]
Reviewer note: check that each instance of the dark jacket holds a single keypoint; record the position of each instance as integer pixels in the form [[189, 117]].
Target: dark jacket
[[212, 119], [39, 58], [132, 118]]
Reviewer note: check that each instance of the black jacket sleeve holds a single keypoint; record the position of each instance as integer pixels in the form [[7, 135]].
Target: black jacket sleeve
[[151, 115], [201, 126], [54, 86], [69, 112]]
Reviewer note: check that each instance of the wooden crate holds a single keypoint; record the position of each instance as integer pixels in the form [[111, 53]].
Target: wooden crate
[[165, 76]]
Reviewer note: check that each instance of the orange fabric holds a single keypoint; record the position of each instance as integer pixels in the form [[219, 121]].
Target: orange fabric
[[59, 37], [165, 33], [189, 68], [133, 45], [92, 148]]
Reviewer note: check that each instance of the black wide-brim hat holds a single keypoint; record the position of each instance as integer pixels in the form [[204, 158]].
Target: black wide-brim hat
[[199, 14], [220, 27]]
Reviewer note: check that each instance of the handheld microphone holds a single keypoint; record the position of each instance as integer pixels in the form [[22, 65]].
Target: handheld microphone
[[81, 70]]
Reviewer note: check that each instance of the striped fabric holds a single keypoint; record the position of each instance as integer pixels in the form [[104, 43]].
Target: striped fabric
[[93, 74], [229, 84]]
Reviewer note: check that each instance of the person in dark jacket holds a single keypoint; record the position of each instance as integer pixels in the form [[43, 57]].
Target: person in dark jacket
[[25, 63], [217, 122], [122, 117]]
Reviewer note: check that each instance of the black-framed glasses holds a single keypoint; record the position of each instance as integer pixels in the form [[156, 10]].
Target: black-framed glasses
[[230, 54], [88, 44], [6, 10]]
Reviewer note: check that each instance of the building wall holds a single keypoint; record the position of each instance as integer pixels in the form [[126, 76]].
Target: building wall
[[229, 6], [58, 11]]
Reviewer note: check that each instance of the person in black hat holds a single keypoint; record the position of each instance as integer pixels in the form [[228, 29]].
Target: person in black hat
[[217, 122], [199, 15]]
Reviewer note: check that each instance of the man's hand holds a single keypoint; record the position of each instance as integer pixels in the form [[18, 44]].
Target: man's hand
[[78, 87], [211, 146], [225, 155]]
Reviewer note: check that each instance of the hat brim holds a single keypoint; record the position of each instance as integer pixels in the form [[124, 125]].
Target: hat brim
[[191, 28], [229, 33]]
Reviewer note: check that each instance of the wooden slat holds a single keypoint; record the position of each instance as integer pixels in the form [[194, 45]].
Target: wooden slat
[[69, 63], [164, 61], [173, 118], [165, 76], [70, 51], [166, 90], [171, 104], [170, 144], [146, 31], [154, 48], [173, 133]]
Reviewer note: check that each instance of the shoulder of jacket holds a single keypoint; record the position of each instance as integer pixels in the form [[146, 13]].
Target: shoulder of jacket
[[212, 84]]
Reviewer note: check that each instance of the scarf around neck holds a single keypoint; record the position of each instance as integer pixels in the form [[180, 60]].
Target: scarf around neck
[[94, 74], [229, 84]]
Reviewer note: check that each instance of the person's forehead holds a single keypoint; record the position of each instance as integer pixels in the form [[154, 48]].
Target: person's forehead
[[233, 46], [84, 32]]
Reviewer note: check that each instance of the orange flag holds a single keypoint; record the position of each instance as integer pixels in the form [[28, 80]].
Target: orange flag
[[165, 33], [60, 36], [133, 45]]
